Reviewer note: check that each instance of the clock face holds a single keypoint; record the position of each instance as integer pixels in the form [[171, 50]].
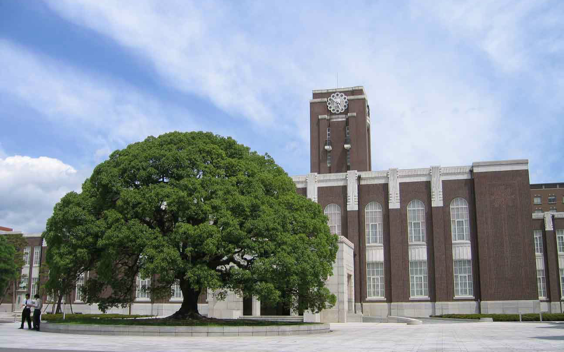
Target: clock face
[[337, 103]]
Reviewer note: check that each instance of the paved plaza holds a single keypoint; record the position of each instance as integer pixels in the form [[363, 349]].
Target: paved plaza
[[345, 337]]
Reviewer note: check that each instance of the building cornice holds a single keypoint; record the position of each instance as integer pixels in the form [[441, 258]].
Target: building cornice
[[504, 165], [334, 90]]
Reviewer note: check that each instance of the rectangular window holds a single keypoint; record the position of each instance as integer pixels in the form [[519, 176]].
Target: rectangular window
[[36, 255], [375, 278], [328, 133], [328, 159], [562, 282], [34, 286], [78, 292], [418, 279], [541, 283], [537, 200], [416, 232], [560, 241], [175, 291], [538, 211], [552, 199], [143, 287], [538, 241], [24, 281], [375, 234], [26, 253], [552, 210], [348, 157], [463, 278]]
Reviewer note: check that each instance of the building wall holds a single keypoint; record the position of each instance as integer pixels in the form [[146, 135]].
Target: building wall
[[505, 243], [544, 191]]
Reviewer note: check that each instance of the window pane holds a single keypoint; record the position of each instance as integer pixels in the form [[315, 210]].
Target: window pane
[[375, 279], [333, 212], [463, 278]]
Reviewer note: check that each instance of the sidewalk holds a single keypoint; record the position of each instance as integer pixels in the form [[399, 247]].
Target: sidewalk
[[345, 337]]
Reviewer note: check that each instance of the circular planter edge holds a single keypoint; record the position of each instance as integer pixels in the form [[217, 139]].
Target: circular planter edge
[[196, 331]]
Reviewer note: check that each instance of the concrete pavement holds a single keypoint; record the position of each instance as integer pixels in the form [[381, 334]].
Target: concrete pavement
[[345, 337]]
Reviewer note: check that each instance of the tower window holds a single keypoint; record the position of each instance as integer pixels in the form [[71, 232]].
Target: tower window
[[328, 159], [328, 133]]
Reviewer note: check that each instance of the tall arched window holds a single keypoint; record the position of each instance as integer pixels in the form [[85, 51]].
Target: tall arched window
[[459, 223], [333, 212], [416, 221], [373, 219]]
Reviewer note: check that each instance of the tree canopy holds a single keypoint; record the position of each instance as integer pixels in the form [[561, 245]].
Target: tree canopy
[[197, 209], [8, 267]]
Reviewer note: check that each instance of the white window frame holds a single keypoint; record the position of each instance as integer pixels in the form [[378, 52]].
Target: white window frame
[[538, 241], [176, 292], [34, 286], [78, 296], [375, 280], [142, 288], [27, 252], [36, 255], [333, 212], [560, 241], [541, 283], [374, 220], [416, 222], [561, 282], [463, 282], [537, 200], [459, 220], [418, 279], [553, 198]]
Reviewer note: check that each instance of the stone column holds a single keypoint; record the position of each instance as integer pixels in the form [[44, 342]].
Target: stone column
[[552, 273]]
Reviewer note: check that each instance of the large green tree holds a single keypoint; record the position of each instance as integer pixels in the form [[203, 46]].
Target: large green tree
[[197, 209], [8, 267], [18, 243]]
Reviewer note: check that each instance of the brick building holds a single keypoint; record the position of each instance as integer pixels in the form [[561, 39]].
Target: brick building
[[414, 242]]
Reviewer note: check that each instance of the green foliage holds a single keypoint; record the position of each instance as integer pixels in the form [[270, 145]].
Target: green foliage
[[8, 268], [59, 317], [506, 317], [195, 208], [117, 319]]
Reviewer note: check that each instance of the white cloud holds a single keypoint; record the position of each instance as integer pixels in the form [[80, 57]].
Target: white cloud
[[105, 112], [30, 188], [441, 76]]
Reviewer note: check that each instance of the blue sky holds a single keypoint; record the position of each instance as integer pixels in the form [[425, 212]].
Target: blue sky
[[449, 83]]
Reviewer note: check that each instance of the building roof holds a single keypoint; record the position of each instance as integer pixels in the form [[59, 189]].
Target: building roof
[[2, 228], [547, 185]]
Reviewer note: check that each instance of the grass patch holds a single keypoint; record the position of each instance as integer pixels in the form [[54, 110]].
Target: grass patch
[[505, 317], [118, 319]]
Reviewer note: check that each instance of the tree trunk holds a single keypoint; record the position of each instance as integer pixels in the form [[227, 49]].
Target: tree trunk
[[189, 307], [58, 311]]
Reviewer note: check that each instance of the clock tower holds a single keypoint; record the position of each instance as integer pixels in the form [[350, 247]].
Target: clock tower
[[340, 130]]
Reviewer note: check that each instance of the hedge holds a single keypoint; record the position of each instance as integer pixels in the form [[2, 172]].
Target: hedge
[[506, 317]]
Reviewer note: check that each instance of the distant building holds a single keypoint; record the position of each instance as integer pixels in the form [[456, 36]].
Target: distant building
[[547, 197]]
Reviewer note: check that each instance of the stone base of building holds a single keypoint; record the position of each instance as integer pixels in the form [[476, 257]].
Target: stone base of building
[[466, 307], [510, 307], [552, 307], [412, 309]]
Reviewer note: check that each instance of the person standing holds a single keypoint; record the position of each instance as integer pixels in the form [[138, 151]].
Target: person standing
[[37, 312], [26, 313]]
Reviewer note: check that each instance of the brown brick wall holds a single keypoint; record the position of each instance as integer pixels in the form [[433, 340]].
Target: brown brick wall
[[505, 240]]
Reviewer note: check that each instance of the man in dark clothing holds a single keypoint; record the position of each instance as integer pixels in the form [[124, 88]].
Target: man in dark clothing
[[26, 313], [38, 304]]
